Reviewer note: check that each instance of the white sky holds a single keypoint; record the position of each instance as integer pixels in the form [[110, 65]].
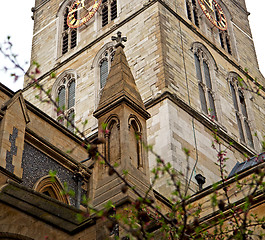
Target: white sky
[[20, 29]]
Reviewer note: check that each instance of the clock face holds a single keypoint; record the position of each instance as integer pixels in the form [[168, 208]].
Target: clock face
[[81, 12], [214, 13]]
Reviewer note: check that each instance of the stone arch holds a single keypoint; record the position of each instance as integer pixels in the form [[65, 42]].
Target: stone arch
[[113, 148], [52, 187], [197, 46]]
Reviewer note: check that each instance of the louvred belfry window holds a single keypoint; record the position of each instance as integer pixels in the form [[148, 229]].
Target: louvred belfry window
[[66, 100], [241, 113], [205, 85], [223, 36], [108, 11], [69, 36], [192, 11]]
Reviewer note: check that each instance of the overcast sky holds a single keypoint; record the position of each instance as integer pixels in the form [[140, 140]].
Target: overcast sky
[[20, 29]]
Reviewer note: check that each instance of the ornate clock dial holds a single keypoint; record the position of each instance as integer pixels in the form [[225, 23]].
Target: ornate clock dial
[[214, 13], [86, 8]]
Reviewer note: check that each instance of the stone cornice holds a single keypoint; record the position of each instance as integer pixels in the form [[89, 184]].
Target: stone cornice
[[123, 98]]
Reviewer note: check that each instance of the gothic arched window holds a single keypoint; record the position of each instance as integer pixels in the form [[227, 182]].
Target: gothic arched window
[[51, 187], [104, 65], [108, 11], [65, 97], [241, 111], [205, 83], [192, 11]]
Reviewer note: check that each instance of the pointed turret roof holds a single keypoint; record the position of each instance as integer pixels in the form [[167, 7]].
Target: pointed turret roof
[[120, 85]]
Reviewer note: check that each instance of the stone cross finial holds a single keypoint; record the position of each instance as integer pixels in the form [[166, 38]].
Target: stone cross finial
[[119, 40]]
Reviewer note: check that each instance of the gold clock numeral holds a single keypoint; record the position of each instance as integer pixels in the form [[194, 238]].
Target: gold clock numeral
[[72, 20]]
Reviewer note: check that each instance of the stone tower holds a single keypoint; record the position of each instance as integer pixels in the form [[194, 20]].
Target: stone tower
[[186, 57]]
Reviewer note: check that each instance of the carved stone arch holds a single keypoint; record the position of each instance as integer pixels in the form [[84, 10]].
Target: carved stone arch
[[198, 47], [131, 118], [99, 53], [232, 76], [59, 79], [135, 135], [13, 236], [52, 187], [113, 142], [63, 5]]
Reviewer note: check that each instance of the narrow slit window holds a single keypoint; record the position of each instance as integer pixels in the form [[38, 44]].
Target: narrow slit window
[[103, 73], [71, 95], [61, 98]]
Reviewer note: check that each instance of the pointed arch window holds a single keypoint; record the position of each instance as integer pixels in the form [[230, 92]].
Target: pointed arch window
[[66, 100], [241, 112], [108, 11], [205, 84], [104, 65], [51, 187], [192, 11]]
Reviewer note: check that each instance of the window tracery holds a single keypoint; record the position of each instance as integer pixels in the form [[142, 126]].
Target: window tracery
[[65, 96], [205, 85], [240, 108]]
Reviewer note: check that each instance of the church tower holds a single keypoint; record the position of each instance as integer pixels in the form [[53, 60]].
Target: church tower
[[188, 59]]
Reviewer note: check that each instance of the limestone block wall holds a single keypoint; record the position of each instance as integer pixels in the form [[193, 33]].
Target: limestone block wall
[[143, 51], [170, 130], [182, 80]]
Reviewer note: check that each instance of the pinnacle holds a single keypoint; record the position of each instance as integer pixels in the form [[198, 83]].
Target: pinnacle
[[120, 82]]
